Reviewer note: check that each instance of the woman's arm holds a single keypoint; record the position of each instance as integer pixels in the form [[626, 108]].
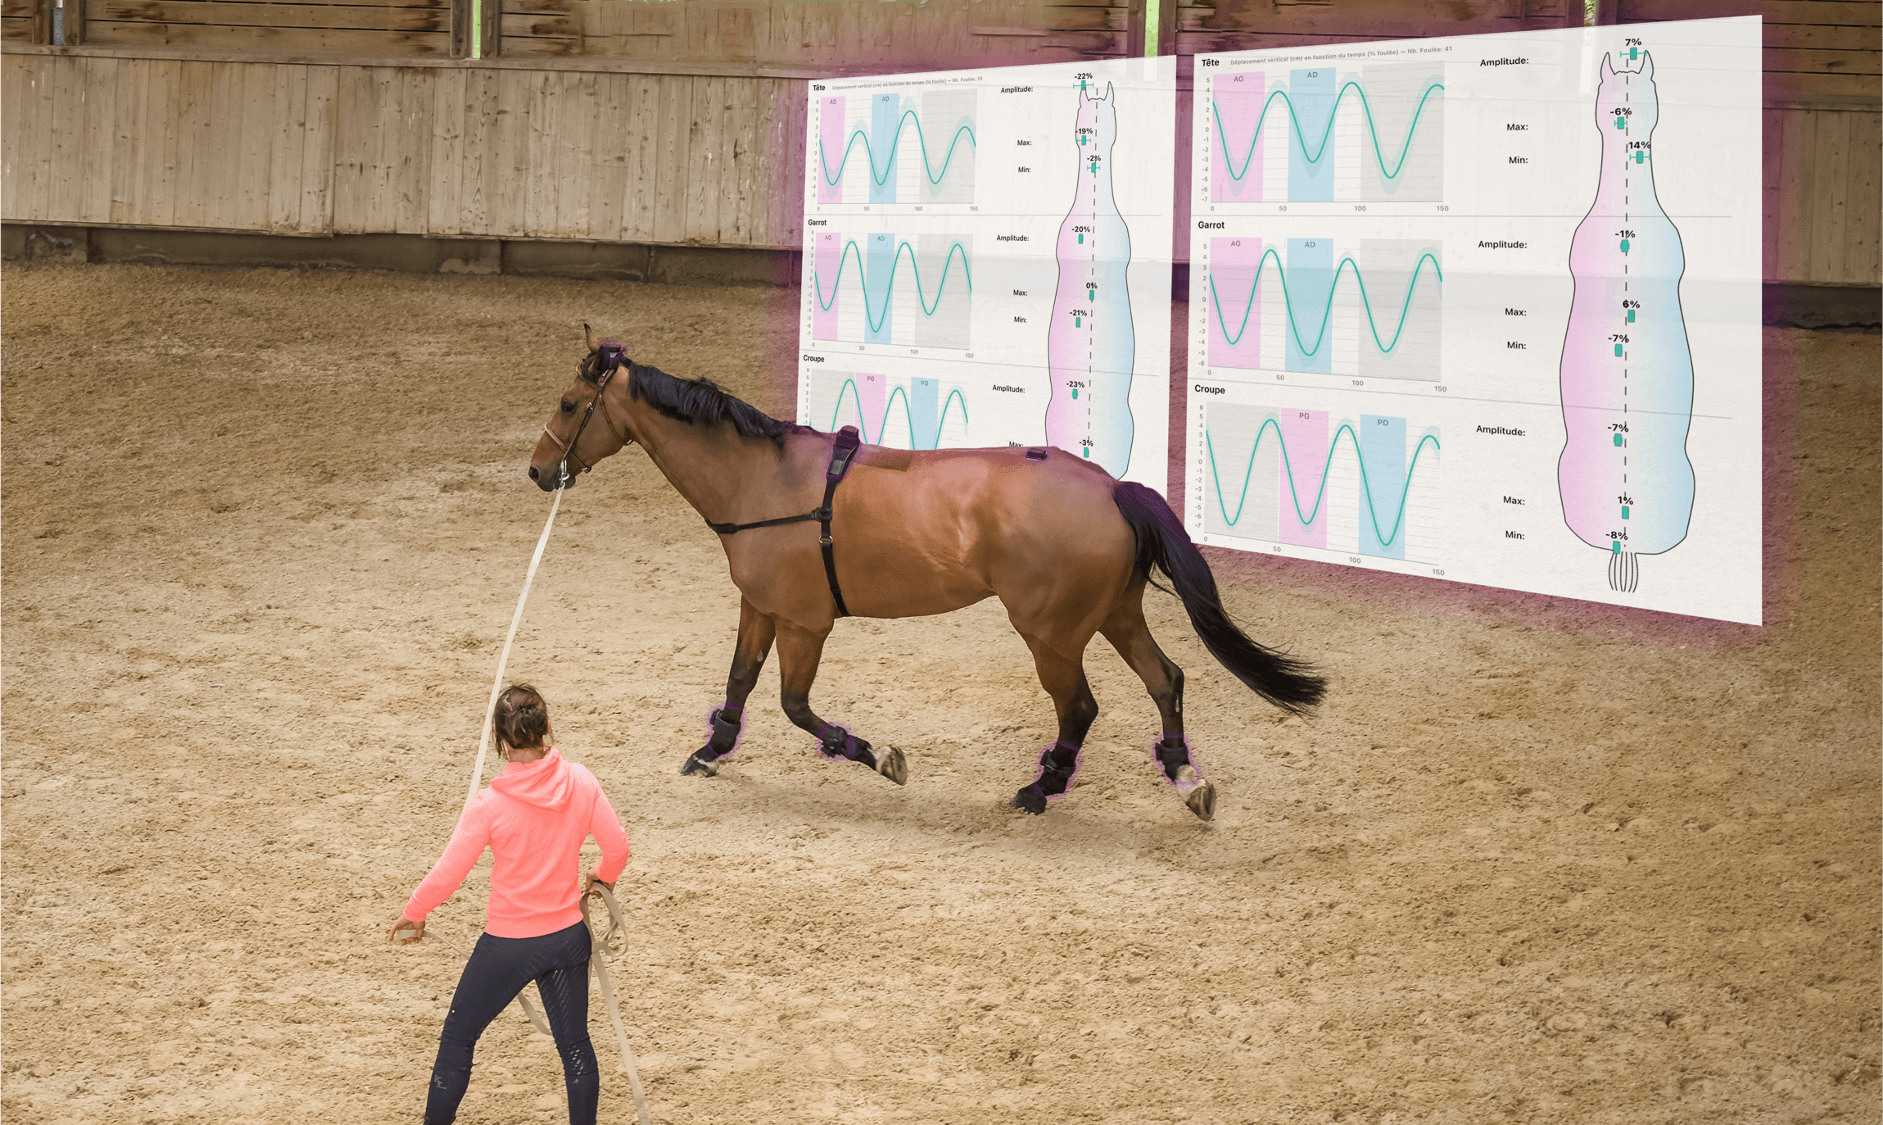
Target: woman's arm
[[467, 843], [608, 833]]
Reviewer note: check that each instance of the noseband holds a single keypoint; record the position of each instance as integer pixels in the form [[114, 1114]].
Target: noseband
[[613, 358]]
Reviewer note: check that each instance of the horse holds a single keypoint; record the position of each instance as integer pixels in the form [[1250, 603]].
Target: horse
[[1067, 549]]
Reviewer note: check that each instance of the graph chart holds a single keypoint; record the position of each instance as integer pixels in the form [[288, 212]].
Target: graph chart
[[1302, 304], [1324, 134], [896, 147], [908, 413], [1485, 308], [982, 249], [1362, 486], [879, 288]]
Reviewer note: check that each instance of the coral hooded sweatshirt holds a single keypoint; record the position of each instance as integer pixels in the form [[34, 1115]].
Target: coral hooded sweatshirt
[[533, 817]]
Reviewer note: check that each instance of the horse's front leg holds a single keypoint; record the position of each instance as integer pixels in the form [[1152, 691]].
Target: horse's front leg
[[799, 651], [756, 632]]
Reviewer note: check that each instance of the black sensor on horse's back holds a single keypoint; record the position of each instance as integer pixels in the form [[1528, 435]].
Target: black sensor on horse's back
[[702, 400]]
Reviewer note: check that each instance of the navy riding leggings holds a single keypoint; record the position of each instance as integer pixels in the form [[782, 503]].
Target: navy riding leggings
[[500, 968]]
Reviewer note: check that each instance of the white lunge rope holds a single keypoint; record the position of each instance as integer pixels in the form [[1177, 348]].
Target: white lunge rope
[[597, 961], [496, 687]]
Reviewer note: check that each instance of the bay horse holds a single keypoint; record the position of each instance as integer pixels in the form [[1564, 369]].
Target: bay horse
[[1064, 546]]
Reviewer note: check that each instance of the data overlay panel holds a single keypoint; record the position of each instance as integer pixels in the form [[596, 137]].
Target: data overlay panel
[[1485, 309], [987, 260]]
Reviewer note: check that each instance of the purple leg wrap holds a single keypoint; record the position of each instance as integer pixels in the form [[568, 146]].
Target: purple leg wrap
[[718, 726], [1060, 783], [1167, 761], [837, 743]]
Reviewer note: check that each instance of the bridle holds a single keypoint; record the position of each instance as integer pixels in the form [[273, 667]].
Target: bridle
[[613, 358]]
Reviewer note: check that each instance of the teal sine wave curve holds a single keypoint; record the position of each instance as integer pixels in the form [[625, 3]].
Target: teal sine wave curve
[[928, 168], [1327, 311], [1399, 514], [875, 321], [850, 385], [1379, 157]]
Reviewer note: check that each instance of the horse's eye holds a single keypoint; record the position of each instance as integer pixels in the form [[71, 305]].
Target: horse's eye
[[568, 407]]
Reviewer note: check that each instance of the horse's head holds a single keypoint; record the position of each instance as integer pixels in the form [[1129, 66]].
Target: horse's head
[[582, 431]]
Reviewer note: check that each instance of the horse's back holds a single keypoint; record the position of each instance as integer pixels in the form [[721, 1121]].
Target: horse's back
[[955, 525]]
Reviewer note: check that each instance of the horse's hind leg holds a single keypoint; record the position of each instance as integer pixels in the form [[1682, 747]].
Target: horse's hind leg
[[756, 632], [799, 651], [1064, 680], [1131, 636]]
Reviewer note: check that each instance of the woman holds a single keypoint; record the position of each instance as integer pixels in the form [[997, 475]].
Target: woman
[[533, 817]]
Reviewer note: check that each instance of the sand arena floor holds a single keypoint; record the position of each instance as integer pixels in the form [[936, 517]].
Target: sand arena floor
[[1536, 860]]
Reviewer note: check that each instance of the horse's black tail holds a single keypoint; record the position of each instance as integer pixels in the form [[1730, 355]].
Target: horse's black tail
[[1282, 680]]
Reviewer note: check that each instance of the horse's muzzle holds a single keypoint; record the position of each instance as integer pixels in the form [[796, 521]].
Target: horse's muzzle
[[546, 478]]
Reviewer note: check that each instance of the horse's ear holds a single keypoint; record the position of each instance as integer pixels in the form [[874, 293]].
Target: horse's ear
[[588, 335]]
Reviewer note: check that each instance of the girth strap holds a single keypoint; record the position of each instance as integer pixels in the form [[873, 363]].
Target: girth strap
[[842, 451]]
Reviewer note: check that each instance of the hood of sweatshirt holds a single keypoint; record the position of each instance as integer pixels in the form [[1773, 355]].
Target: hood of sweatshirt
[[547, 783]]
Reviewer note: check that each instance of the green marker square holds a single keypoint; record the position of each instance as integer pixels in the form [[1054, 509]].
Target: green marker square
[[1624, 513], [1617, 436]]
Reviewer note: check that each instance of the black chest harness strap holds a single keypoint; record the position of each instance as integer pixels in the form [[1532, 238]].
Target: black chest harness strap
[[842, 451]]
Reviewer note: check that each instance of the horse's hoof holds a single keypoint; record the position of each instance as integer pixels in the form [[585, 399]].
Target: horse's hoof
[[891, 764], [1202, 801], [697, 766], [1031, 800]]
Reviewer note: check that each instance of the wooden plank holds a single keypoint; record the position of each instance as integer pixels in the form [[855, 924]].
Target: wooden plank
[[16, 29], [358, 106], [1863, 221], [1823, 37], [1792, 259], [786, 163], [18, 74], [738, 172], [1862, 91], [536, 212], [127, 148], [608, 156], [1830, 181], [419, 126], [480, 155], [444, 210], [299, 40], [1823, 62], [704, 153], [428, 16], [283, 191], [224, 146], [66, 78], [100, 84], [575, 163], [160, 188], [317, 171], [41, 126], [641, 183], [511, 151], [673, 172], [1857, 13], [542, 26]]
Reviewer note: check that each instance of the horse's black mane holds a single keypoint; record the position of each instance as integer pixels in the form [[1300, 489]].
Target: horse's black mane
[[696, 400]]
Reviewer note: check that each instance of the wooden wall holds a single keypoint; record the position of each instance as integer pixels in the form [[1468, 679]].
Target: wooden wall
[[470, 149], [1207, 26], [561, 144], [831, 37]]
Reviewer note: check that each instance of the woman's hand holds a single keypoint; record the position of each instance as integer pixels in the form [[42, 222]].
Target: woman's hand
[[417, 929], [590, 891]]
